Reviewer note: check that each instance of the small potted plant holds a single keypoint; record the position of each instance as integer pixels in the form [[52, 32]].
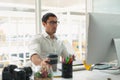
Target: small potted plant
[[43, 74]]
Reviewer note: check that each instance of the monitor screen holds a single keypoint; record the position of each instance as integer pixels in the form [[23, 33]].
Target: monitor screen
[[102, 30]]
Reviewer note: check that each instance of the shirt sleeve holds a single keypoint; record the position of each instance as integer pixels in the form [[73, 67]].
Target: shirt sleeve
[[65, 52], [34, 47]]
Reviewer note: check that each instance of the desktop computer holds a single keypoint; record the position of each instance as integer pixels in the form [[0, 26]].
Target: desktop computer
[[103, 40]]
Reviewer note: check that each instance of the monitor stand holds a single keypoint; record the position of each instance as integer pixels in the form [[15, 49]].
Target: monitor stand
[[112, 71], [116, 68], [117, 48]]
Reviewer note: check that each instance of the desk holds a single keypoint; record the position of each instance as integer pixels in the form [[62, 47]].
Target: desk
[[91, 75]]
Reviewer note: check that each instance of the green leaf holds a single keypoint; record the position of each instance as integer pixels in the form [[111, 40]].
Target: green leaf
[[37, 74], [49, 75]]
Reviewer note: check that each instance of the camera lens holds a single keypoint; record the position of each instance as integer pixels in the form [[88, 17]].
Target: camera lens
[[28, 71]]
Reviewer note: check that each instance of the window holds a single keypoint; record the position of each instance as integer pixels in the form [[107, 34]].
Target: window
[[17, 26], [72, 17]]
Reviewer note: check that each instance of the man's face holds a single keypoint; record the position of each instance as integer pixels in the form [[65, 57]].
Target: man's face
[[51, 25]]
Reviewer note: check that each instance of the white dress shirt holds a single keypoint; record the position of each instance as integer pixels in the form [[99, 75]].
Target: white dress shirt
[[43, 45]]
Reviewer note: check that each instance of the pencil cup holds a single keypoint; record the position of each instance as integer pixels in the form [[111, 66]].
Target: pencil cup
[[67, 70]]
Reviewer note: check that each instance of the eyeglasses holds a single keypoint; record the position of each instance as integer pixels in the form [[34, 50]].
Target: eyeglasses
[[53, 22]]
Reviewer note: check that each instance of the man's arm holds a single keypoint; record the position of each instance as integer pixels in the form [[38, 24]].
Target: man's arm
[[35, 58], [35, 50]]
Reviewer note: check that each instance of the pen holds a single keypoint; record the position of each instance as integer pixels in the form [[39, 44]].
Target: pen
[[67, 60]]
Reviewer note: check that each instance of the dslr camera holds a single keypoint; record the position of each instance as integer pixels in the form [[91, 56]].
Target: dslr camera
[[12, 72]]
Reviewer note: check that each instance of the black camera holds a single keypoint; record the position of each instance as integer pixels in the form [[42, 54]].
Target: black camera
[[12, 72]]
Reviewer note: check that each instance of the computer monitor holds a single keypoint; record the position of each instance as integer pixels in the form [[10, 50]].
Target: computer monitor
[[103, 40]]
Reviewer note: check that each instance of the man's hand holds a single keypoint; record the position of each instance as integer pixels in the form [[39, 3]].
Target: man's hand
[[44, 62], [35, 58]]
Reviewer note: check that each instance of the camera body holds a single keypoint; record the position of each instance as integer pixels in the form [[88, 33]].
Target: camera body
[[12, 72]]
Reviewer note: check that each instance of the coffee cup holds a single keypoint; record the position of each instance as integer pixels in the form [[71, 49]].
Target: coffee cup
[[53, 61]]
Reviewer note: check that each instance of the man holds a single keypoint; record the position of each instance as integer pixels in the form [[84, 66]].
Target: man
[[47, 42]]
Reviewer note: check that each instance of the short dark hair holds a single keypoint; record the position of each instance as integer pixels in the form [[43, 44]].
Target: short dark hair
[[47, 15]]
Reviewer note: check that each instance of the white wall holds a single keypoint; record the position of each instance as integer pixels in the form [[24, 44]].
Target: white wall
[[106, 6]]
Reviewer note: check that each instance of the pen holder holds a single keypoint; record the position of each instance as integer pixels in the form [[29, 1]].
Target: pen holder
[[67, 70]]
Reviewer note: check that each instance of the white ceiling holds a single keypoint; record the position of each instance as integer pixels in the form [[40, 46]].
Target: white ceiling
[[48, 3], [61, 3], [31, 2]]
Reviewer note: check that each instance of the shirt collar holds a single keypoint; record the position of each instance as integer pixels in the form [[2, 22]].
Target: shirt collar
[[47, 36]]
